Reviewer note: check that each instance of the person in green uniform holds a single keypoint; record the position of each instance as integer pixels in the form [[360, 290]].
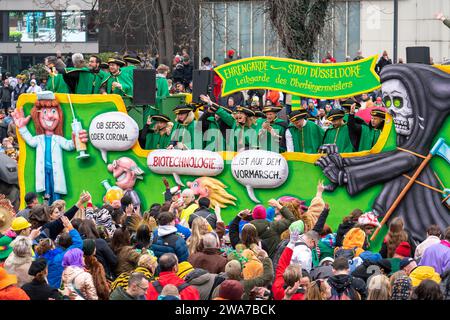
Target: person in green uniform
[[118, 82], [303, 135], [55, 81], [272, 130], [243, 133], [338, 132], [84, 79], [365, 136], [184, 135], [156, 132], [214, 129]]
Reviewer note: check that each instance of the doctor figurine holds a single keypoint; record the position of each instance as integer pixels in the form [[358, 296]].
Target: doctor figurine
[[49, 141]]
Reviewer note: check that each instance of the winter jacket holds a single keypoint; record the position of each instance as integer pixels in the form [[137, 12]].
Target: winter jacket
[[40, 291], [54, 259], [127, 259], [168, 277], [19, 90], [186, 214], [205, 213], [19, 266], [264, 280], [120, 294], [343, 281], [209, 259], [381, 64], [13, 293], [167, 240], [303, 254], [269, 232], [437, 256], [204, 282], [80, 280], [445, 285], [343, 228], [424, 245], [278, 285], [5, 94], [106, 257]]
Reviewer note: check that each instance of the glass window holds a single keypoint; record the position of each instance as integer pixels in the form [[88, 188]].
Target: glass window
[[206, 31], [219, 32], [340, 31], [32, 26], [258, 29], [353, 28], [92, 25], [245, 15], [74, 26], [232, 26]]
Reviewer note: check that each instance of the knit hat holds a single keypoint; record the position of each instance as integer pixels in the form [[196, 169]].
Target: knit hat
[[403, 249], [324, 260], [401, 288], [259, 212], [6, 279], [20, 223], [6, 218], [5, 248], [270, 214], [88, 247], [298, 225], [423, 273], [231, 290], [37, 266], [368, 218], [233, 268], [230, 53], [184, 268]]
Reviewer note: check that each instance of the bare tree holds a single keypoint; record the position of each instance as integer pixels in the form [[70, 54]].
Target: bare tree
[[298, 24]]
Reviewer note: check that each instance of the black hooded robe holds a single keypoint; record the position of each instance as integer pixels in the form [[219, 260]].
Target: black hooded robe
[[428, 90]]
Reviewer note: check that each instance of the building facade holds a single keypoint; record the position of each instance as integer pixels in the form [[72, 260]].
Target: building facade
[[351, 25], [33, 29]]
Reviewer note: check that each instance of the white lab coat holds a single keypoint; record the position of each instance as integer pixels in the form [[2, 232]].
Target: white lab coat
[[58, 143]]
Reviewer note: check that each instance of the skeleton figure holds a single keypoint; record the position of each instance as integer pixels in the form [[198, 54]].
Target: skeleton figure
[[418, 98]]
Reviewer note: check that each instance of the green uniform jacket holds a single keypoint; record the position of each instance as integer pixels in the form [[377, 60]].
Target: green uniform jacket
[[213, 136], [154, 140], [366, 134], [241, 135], [124, 79], [307, 139], [340, 137], [57, 84], [185, 134], [269, 142], [162, 90], [88, 82]]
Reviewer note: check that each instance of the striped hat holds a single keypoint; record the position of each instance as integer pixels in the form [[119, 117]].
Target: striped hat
[[298, 114], [184, 268], [335, 114]]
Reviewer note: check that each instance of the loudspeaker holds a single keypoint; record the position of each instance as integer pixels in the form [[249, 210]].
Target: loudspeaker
[[418, 55], [144, 86], [202, 82]]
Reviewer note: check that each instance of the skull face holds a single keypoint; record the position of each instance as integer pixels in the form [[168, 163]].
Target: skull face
[[398, 104]]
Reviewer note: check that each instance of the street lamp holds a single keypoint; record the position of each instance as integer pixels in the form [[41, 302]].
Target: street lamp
[[19, 50]]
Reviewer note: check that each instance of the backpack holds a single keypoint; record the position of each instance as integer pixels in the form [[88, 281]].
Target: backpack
[[348, 294], [166, 244], [349, 254], [158, 287]]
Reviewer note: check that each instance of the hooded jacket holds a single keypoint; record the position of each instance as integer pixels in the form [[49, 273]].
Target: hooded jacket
[[343, 281], [269, 232], [81, 280], [204, 282], [354, 239], [54, 259], [167, 240]]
